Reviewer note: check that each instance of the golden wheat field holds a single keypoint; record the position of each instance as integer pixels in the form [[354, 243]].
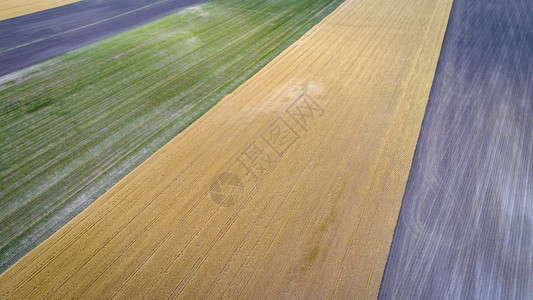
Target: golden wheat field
[[289, 187], [14, 8]]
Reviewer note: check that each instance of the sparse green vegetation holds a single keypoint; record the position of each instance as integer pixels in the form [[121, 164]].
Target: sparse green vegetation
[[327, 221], [311, 255]]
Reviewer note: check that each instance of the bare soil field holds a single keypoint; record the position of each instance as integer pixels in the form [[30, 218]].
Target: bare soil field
[[289, 187], [15, 8]]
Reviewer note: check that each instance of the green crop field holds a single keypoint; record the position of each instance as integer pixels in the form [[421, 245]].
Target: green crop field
[[73, 126]]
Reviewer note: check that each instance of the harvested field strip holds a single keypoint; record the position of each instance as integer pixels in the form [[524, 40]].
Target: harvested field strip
[[15, 8], [283, 189], [81, 121]]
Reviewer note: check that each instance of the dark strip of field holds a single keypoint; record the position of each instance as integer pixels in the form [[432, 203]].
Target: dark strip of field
[[465, 229], [35, 37]]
